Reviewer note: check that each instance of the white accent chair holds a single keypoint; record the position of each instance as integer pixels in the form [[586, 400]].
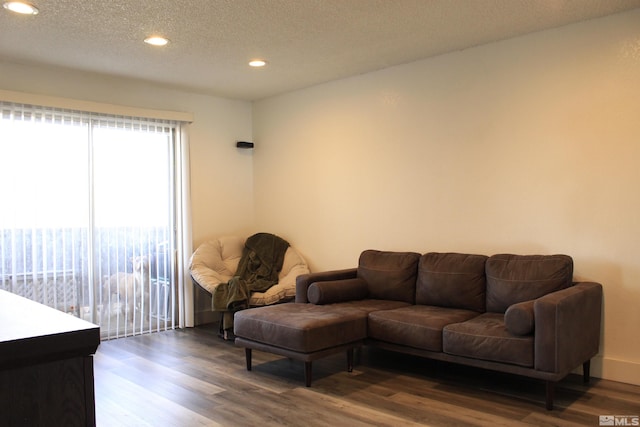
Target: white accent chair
[[216, 261]]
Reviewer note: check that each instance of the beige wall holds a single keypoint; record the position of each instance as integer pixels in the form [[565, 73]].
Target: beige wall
[[530, 145]]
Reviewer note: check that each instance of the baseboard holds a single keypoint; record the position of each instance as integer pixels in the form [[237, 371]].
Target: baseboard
[[615, 370]]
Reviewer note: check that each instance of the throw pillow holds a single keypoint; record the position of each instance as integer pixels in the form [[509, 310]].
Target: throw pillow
[[333, 291], [518, 319]]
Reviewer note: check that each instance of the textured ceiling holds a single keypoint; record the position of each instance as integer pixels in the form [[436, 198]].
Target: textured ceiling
[[305, 41]]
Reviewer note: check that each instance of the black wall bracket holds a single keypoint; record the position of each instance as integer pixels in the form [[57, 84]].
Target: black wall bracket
[[244, 144]]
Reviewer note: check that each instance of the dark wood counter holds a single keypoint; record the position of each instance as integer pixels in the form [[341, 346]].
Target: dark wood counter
[[46, 365]]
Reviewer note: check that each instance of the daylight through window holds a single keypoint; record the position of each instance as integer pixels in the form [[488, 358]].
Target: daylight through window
[[88, 215]]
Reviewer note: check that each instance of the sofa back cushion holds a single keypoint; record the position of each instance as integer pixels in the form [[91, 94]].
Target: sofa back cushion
[[452, 280], [389, 275], [516, 278]]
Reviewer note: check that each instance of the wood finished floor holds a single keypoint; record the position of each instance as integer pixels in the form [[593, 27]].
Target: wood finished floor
[[190, 377]]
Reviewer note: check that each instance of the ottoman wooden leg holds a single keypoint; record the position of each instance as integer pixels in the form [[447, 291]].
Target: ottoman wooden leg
[[307, 374], [350, 360], [247, 355]]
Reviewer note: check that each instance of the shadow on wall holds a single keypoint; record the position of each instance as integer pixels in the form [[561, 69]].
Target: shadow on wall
[[615, 302]]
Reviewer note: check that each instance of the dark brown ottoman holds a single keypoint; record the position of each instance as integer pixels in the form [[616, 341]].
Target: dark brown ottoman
[[301, 331]]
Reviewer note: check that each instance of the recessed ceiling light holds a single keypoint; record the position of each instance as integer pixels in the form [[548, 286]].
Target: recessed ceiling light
[[156, 41], [257, 63], [20, 7]]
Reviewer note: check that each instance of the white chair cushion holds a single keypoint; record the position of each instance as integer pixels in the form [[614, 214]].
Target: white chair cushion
[[216, 261]]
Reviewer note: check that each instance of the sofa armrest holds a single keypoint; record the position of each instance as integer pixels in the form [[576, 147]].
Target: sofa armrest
[[305, 280], [567, 327]]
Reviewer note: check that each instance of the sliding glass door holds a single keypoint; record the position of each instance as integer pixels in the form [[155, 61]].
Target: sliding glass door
[[87, 223]]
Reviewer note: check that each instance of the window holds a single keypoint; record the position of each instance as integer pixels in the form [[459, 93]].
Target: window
[[88, 223]]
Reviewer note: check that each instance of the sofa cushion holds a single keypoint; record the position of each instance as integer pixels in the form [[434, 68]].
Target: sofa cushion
[[389, 275], [304, 328], [516, 278], [333, 291], [417, 326], [452, 280], [485, 337], [518, 319], [369, 305]]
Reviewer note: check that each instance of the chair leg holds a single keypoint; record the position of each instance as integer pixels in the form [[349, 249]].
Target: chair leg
[[586, 371], [550, 394], [307, 374], [247, 355], [221, 327], [350, 360]]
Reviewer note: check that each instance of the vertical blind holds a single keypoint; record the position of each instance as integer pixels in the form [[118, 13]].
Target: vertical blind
[[88, 217]]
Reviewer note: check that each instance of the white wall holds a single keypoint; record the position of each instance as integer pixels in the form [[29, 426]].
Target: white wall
[[530, 145]]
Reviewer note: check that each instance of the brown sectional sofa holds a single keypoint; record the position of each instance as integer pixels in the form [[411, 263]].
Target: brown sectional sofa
[[520, 314]]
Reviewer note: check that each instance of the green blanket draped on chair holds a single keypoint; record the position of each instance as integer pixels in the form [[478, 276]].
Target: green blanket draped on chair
[[258, 270]]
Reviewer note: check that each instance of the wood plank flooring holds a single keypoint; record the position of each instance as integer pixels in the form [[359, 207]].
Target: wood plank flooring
[[190, 377]]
